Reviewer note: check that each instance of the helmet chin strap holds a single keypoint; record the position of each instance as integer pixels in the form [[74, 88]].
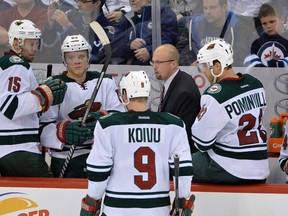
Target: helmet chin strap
[[18, 52], [215, 76], [125, 104]]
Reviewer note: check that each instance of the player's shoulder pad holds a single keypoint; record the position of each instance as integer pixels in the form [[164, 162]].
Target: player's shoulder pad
[[220, 91], [95, 75], [106, 116], [173, 119], [111, 119], [10, 60], [252, 81], [127, 118]]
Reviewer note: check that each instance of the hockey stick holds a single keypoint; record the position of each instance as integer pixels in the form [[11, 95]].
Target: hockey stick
[[176, 173], [49, 73], [99, 31]]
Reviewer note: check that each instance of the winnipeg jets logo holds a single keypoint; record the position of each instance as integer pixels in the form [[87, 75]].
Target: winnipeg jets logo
[[272, 50]]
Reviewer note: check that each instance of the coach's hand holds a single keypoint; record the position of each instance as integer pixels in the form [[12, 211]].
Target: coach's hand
[[73, 133]]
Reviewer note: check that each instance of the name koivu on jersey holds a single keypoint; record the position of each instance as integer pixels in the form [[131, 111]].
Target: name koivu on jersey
[[144, 135], [245, 104]]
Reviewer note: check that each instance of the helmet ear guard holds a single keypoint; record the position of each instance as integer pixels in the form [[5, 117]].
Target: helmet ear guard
[[136, 84], [216, 50], [21, 30], [74, 43]]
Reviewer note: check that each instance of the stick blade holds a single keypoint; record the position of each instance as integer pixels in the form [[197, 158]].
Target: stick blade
[[99, 31]]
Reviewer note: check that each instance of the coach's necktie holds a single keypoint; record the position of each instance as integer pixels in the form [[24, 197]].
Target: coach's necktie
[[161, 97]]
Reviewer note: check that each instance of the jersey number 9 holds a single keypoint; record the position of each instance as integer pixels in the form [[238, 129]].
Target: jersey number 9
[[144, 161]]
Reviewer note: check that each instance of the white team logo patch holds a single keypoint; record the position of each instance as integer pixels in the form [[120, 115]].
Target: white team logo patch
[[15, 59], [111, 29], [214, 89], [149, 25]]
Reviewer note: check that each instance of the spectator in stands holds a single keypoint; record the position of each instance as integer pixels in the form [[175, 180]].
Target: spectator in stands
[[5, 4], [246, 7], [283, 158], [25, 9], [115, 9], [215, 22], [21, 102], [139, 31], [271, 48], [64, 5], [181, 95], [228, 132], [61, 126], [62, 24], [247, 13]]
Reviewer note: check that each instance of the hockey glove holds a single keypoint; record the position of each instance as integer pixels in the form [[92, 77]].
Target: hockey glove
[[186, 206], [93, 118], [58, 88], [73, 133], [90, 206], [51, 92]]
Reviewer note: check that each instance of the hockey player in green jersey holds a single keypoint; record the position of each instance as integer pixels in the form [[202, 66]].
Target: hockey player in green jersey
[[132, 156], [21, 101], [229, 129], [61, 124]]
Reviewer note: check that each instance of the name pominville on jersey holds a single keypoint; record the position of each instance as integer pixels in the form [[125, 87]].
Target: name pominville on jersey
[[245, 103], [237, 101]]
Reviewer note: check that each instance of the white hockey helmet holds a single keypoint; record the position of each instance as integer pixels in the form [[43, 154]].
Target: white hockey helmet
[[74, 43], [23, 29], [136, 84], [216, 50]]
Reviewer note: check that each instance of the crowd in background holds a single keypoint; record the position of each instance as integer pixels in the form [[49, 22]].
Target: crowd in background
[[186, 24]]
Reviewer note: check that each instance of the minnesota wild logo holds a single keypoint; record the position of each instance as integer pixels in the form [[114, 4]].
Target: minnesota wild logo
[[214, 89], [79, 111], [15, 59]]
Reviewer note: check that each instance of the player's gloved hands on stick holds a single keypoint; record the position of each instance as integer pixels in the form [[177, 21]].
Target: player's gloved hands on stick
[[186, 206], [50, 92], [73, 133], [90, 206]]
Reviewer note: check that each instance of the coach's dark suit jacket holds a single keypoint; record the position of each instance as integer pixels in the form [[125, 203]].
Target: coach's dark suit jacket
[[183, 100]]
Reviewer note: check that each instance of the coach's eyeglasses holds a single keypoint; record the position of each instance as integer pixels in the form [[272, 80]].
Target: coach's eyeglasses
[[160, 62], [84, 1]]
